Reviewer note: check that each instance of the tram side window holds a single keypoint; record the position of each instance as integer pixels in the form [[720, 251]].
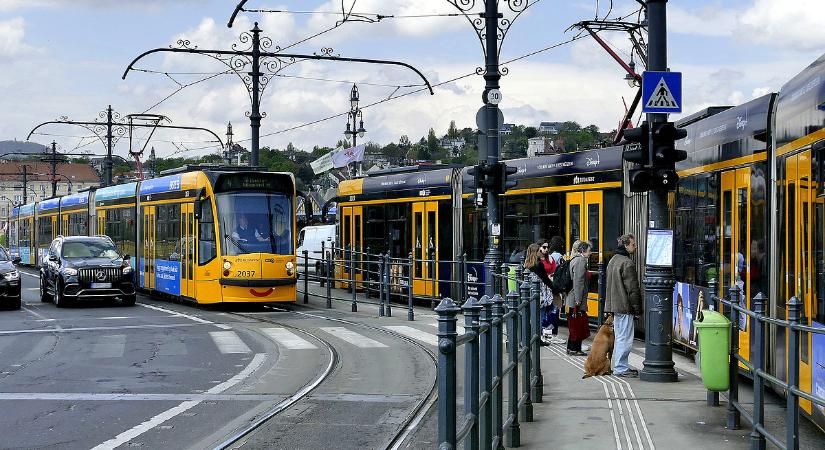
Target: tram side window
[[516, 230], [375, 231], [207, 250], [396, 216], [167, 240], [44, 231]]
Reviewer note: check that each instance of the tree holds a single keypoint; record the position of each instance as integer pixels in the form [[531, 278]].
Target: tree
[[452, 132], [404, 141], [432, 143]]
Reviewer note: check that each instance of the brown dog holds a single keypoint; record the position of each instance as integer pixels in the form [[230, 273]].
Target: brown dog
[[598, 360]]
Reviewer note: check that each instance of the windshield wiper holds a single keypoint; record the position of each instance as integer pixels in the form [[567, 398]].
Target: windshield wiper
[[233, 240]]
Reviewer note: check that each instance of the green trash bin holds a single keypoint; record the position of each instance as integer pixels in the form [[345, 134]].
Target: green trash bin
[[512, 285], [714, 350]]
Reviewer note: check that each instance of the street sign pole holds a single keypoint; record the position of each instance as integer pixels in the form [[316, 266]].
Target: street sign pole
[[492, 97], [658, 280]]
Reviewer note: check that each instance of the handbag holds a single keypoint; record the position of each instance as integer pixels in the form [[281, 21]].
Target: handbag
[[578, 325]]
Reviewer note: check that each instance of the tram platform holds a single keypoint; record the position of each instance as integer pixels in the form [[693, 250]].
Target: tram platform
[[627, 413]]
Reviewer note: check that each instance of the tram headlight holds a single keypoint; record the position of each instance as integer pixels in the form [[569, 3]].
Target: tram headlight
[[227, 265], [290, 268]]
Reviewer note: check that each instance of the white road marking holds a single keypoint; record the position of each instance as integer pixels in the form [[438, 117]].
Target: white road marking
[[414, 333], [229, 342], [105, 397], [122, 327], [288, 339], [175, 313], [109, 346], [353, 338], [139, 429], [41, 316], [458, 328], [223, 327], [30, 274]]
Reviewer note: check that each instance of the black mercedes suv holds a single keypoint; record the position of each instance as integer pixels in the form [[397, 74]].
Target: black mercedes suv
[[86, 268], [9, 281]]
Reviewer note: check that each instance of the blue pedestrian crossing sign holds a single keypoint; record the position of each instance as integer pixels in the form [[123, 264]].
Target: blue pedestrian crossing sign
[[662, 92]]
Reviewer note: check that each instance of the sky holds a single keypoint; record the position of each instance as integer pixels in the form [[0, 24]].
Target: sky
[[66, 58]]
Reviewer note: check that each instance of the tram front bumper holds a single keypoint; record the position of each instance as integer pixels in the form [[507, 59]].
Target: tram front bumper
[[258, 290]]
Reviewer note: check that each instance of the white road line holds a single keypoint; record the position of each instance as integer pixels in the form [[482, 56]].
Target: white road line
[[458, 328], [639, 412], [223, 327], [288, 339], [109, 346], [229, 342], [122, 327], [30, 274], [175, 313], [414, 333], [139, 429], [41, 316], [106, 397], [353, 338]]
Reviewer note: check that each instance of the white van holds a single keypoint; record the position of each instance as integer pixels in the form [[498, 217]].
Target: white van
[[310, 239]]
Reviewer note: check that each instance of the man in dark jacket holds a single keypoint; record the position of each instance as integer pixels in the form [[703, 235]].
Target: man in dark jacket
[[623, 298]]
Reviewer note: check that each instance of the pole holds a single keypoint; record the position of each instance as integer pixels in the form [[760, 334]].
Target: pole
[[658, 281], [491, 77], [54, 169], [255, 116], [107, 164], [25, 184]]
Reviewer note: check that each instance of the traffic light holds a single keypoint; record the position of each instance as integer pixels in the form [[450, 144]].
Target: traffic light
[[664, 154], [640, 136], [503, 181], [643, 180], [483, 180]]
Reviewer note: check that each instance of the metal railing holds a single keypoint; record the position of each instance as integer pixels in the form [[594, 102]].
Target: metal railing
[[757, 367], [483, 425]]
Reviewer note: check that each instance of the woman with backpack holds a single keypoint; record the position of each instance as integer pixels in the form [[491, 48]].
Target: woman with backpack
[[551, 310], [576, 299]]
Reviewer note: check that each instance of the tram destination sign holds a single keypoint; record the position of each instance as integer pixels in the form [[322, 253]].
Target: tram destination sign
[[248, 182]]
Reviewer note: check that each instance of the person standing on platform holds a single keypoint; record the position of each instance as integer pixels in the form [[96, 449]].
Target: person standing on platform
[[624, 300], [552, 311], [576, 300], [534, 264]]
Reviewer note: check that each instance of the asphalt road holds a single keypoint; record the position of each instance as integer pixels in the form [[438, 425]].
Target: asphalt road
[[165, 375]]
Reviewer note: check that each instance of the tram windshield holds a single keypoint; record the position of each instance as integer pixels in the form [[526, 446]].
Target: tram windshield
[[255, 222]]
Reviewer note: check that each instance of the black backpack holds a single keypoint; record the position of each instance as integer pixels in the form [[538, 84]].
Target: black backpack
[[562, 281]]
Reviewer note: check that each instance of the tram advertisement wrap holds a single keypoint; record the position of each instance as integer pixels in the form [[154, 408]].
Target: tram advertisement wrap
[[167, 276], [688, 302], [818, 375]]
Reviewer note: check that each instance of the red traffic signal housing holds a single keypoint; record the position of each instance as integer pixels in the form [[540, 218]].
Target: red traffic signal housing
[[639, 135]]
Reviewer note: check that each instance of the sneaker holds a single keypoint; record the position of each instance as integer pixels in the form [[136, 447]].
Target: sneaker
[[544, 342], [545, 332], [628, 374]]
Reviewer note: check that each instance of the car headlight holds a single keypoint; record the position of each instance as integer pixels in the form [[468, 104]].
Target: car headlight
[[290, 268], [69, 271], [11, 275], [127, 270]]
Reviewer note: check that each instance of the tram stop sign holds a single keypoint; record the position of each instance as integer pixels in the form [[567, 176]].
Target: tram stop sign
[[662, 92]]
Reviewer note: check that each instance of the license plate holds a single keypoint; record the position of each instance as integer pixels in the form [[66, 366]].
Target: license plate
[[101, 285]]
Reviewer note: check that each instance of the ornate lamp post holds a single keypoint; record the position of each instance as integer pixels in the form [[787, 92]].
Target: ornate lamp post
[[355, 117]]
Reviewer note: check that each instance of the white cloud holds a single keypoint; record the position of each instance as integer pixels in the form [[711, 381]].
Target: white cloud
[[706, 21], [12, 32], [793, 25], [12, 5]]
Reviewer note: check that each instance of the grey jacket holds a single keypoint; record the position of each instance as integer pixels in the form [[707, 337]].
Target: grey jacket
[[578, 273], [622, 293]]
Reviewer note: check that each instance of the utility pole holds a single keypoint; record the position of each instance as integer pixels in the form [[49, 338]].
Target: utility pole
[[658, 280], [25, 183], [54, 169], [491, 77]]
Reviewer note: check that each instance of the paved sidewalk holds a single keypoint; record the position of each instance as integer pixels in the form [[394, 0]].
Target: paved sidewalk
[[627, 413]]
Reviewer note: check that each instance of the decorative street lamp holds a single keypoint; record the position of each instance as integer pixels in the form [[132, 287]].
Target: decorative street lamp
[[355, 116]]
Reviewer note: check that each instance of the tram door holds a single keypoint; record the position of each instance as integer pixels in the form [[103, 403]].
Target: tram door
[[101, 222], [149, 247], [352, 239], [64, 228], [187, 250], [800, 200], [425, 247], [585, 216], [735, 245]]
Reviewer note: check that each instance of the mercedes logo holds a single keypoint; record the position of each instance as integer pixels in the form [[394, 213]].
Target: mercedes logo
[[100, 275]]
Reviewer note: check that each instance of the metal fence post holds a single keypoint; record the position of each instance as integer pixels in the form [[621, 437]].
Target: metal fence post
[[352, 279], [713, 305], [486, 370], [513, 432], [366, 275], [381, 288], [792, 409], [535, 337], [601, 290], [498, 368], [447, 312], [410, 279], [757, 439], [733, 367], [306, 276], [524, 321], [388, 285], [464, 281], [330, 269], [520, 274], [323, 263], [433, 276], [471, 310]]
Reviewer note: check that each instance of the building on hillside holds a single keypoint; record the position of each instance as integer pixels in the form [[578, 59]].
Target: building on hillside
[[542, 145], [550, 127], [71, 178], [453, 146], [506, 128], [236, 155]]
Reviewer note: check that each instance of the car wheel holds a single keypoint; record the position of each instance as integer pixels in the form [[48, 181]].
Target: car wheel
[[44, 293], [128, 300], [59, 300], [16, 303]]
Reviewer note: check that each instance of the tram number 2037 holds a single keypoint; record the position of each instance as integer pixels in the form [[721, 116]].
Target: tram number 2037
[[245, 273]]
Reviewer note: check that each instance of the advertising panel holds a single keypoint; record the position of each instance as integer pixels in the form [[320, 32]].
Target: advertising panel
[[167, 276], [818, 375], [688, 302]]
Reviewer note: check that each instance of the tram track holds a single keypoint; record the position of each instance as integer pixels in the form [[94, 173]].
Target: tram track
[[407, 427]]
